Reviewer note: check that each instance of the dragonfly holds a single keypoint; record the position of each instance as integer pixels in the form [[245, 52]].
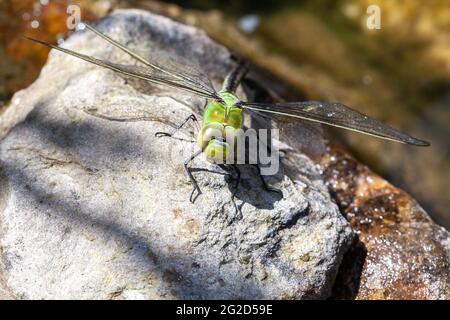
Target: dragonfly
[[224, 111]]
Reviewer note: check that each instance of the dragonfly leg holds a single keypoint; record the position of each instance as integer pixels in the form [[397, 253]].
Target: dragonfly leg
[[175, 130], [191, 177], [236, 186], [264, 183]]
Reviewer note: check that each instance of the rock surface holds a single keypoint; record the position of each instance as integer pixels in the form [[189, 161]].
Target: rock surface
[[392, 226], [92, 205], [409, 259], [409, 93], [400, 252]]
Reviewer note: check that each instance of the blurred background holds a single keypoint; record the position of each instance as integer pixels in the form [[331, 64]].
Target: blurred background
[[323, 49]]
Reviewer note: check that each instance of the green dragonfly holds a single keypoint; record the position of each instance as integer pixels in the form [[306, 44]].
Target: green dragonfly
[[224, 111]]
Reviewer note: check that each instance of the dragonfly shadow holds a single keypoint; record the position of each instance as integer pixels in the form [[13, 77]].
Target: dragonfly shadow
[[87, 142], [252, 190], [182, 139], [249, 189]]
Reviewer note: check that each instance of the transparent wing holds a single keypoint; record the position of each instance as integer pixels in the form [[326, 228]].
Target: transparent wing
[[167, 64], [150, 74], [179, 68], [334, 114]]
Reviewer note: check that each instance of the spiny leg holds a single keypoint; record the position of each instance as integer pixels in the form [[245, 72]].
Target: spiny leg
[[175, 130], [191, 177], [264, 183], [236, 186]]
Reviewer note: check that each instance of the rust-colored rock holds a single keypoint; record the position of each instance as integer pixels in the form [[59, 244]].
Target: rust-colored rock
[[21, 63], [401, 253]]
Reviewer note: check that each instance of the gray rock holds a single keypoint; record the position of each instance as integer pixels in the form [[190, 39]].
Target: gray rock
[[92, 205]]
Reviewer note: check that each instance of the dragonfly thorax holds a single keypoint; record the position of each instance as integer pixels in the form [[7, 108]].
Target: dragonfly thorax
[[222, 122]]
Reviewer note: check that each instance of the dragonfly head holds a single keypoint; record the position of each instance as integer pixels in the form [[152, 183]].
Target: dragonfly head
[[211, 140], [217, 141]]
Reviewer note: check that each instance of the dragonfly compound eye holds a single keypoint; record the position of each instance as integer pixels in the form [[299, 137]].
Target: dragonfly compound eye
[[209, 132]]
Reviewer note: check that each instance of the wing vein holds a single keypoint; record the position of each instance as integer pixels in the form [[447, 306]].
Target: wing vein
[[333, 114]]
